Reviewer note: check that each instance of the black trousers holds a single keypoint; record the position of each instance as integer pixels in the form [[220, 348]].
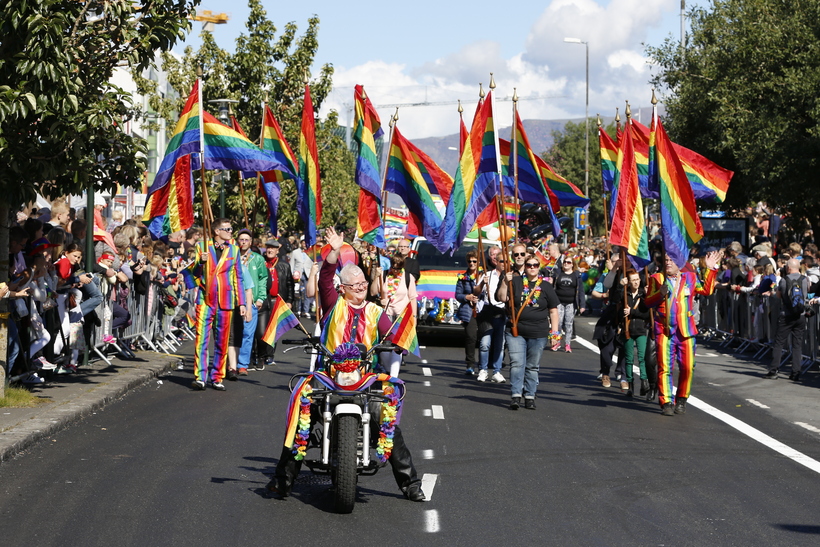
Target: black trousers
[[400, 459], [470, 341], [786, 326], [261, 350]]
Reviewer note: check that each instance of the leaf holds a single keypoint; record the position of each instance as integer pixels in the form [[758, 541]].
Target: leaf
[[32, 100]]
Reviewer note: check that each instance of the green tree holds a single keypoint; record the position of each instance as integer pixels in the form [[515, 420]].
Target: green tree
[[567, 157], [61, 120], [743, 92], [268, 68]]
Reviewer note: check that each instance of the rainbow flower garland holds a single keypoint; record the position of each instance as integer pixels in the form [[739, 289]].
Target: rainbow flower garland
[[387, 423], [303, 428], [536, 291], [471, 277]]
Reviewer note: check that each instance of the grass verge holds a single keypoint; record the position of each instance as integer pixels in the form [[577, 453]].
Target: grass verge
[[18, 397]]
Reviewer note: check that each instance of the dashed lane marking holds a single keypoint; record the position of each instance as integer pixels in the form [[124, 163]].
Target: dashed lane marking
[[743, 427], [757, 403], [427, 454], [428, 484], [807, 426], [431, 521], [426, 371], [427, 383], [438, 412], [427, 412]]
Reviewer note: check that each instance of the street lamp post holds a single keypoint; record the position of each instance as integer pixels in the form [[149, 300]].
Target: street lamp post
[[586, 124]]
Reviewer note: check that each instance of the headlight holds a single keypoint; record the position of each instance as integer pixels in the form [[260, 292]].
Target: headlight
[[344, 379]]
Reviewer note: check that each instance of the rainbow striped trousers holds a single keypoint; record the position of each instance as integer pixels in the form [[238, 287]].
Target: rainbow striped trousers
[[671, 349], [211, 321]]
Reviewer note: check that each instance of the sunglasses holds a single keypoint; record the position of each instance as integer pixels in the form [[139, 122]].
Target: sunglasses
[[519, 254], [473, 261], [229, 229], [531, 265]]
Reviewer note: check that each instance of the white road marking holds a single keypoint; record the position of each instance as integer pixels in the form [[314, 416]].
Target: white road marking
[[431, 521], [590, 346], [807, 426], [438, 412], [589, 323], [427, 371], [743, 427], [428, 412], [757, 403], [427, 383], [422, 347], [424, 361], [427, 454], [428, 484], [713, 384]]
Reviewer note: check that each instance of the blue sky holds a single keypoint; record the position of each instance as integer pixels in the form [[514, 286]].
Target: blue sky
[[436, 51]]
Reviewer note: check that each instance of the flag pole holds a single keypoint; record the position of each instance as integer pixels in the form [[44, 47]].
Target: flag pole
[[654, 123], [628, 112], [502, 225], [603, 194], [261, 145], [393, 120], [207, 214], [514, 151], [241, 178]]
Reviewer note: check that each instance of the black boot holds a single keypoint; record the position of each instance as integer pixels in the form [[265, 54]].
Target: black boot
[[644, 387], [286, 472], [652, 394], [680, 405], [631, 390], [403, 469]]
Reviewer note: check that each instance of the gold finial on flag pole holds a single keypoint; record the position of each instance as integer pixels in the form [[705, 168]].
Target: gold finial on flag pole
[[598, 119], [481, 93], [460, 108], [492, 82], [628, 111], [654, 98]]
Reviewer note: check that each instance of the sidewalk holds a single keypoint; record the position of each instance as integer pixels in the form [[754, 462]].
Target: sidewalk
[[71, 397]]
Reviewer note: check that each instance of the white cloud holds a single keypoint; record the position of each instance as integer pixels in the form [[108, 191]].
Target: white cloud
[[548, 73]]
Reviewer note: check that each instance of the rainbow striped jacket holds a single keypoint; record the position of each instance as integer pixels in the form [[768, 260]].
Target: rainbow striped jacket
[[221, 276], [675, 312]]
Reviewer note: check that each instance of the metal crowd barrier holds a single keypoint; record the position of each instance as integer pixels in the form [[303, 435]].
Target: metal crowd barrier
[[748, 321]]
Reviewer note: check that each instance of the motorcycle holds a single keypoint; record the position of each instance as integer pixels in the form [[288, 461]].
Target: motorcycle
[[342, 395]]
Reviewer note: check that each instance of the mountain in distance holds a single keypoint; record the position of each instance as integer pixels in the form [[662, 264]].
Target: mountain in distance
[[444, 150]]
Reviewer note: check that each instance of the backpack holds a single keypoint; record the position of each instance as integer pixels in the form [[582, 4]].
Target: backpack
[[794, 301]]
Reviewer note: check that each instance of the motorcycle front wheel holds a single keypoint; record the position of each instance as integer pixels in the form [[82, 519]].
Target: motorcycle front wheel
[[347, 432]]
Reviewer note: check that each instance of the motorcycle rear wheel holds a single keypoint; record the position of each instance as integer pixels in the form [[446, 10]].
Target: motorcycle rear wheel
[[347, 432]]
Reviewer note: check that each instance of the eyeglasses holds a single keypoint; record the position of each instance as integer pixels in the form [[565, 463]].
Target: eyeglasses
[[356, 286], [533, 265], [519, 254], [500, 260], [404, 246], [228, 229]]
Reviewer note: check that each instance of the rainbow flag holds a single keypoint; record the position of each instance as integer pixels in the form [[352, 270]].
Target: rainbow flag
[[169, 203], [229, 150], [281, 321], [437, 284], [680, 225], [309, 195], [404, 178], [531, 183], [609, 158], [273, 140], [463, 135], [566, 193], [394, 220], [709, 180], [368, 128], [476, 180], [404, 331], [628, 226], [640, 141]]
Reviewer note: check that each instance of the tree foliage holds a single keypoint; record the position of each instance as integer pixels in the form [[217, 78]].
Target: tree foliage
[[743, 92], [61, 120], [567, 156], [265, 67]]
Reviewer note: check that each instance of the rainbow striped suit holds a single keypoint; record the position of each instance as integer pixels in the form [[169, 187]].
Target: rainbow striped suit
[[222, 291], [675, 327]]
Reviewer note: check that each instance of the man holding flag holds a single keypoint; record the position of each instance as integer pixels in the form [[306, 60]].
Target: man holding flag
[[349, 317]]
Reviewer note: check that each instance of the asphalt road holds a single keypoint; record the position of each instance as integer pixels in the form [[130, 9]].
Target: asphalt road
[[169, 466]]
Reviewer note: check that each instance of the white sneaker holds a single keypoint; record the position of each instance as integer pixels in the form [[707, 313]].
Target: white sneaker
[[33, 378], [498, 378], [42, 364], [482, 375]]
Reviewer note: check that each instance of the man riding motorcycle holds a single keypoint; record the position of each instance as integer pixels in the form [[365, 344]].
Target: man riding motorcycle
[[349, 317]]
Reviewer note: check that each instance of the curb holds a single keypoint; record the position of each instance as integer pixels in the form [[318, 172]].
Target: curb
[[20, 438]]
